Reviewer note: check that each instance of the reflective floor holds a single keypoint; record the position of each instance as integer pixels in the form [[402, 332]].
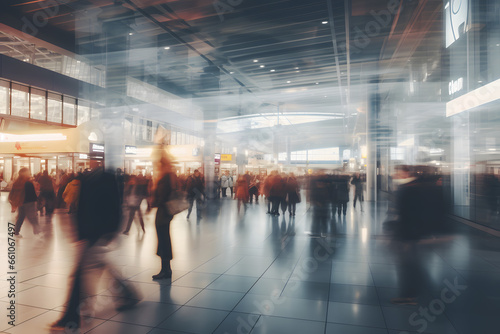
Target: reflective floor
[[249, 272]]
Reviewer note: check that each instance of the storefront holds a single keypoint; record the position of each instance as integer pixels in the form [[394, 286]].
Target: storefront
[[55, 150]]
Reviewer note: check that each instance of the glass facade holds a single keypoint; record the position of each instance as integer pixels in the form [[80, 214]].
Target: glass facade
[[20, 101], [38, 104]]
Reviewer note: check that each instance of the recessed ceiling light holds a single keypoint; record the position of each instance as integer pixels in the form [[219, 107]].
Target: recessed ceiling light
[[296, 68], [297, 71], [498, 44], [480, 81], [231, 72], [255, 60], [272, 71], [262, 66], [167, 48], [317, 83], [288, 81], [326, 96], [130, 33], [324, 22]]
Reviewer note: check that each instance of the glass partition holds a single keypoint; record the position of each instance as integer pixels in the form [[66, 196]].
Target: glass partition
[[38, 104], [20, 100], [54, 104], [69, 111], [4, 97]]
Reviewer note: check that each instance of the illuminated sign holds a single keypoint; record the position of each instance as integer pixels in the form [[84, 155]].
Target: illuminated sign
[[96, 151], [226, 157], [455, 86], [217, 158], [10, 138], [130, 149], [456, 17]]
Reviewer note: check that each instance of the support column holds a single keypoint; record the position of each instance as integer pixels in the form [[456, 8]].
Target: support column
[[113, 115], [371, 140]]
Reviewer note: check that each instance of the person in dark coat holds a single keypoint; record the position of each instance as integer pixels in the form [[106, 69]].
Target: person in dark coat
[[133, 200], [342, 185], [253, 189], [277, 192], [164, 187], [195, 191], [358, 190], [420, 208], [23, 196], [98, 221], [293, 193], [47, 197]]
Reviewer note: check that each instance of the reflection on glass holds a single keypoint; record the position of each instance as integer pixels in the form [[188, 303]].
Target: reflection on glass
[[20, 100], [83, 114], [4, 97], [69, 114], [54, 112], [38, 104]]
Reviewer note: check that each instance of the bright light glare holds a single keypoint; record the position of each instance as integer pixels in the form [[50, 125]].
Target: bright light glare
[[10, 138]]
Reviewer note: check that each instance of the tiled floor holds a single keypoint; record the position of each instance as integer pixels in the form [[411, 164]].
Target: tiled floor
[[252, 273]]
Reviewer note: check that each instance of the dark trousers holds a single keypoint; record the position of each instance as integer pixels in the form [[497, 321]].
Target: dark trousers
[[47, 200], [291, 208], [132, 210], [276, 200], [27, 210], [224, 192], [252, 194], [199, 204], [341, 206], [356, 197]]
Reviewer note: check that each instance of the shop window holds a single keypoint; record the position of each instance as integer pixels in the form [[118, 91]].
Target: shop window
[[38, 104], [69, 111], [83, 112], [20, 100], [54, 111], [4, 97], [149, 131]]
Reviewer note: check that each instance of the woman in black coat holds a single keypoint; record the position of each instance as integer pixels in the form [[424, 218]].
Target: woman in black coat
[[293, 193], [164, 217]]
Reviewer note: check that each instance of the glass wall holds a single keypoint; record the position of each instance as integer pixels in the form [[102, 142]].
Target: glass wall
[[20, 100], [54, 108], [69, 114], [4, 97], [38, 104]]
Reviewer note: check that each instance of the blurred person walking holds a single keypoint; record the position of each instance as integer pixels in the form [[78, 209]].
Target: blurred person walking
[[23, 197], [358, 190], [71, 193], [253, 189], [420, 210], [293, 193], [242, 194], [133, 200], [98, 221], [195, 191], [224, 183], [342, 186], [47, 197]]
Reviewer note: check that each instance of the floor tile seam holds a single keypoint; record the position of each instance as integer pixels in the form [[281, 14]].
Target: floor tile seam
[[328, 301], [453, 268], [118, 322], [29, 279], [36, 316], [378, 298], [233, 310]]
